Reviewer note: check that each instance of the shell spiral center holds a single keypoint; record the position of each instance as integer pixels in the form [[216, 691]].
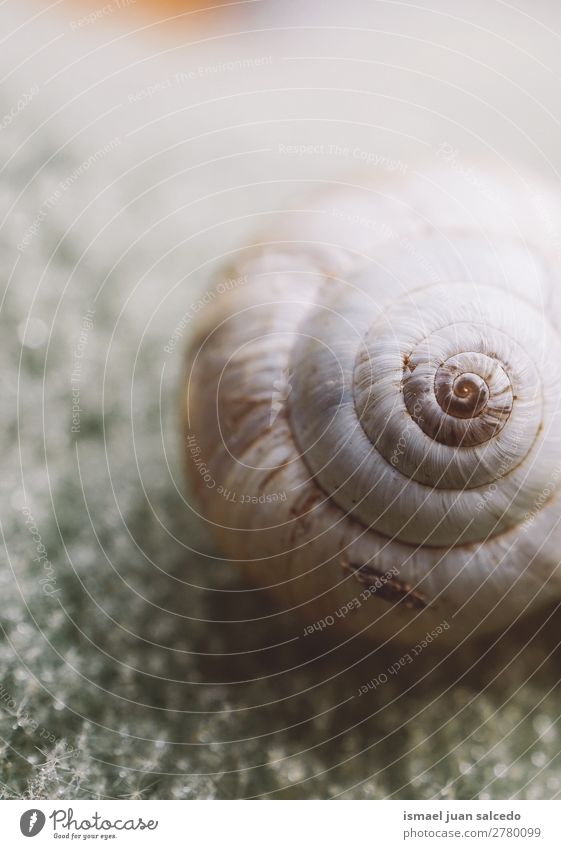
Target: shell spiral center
[[429, 422]]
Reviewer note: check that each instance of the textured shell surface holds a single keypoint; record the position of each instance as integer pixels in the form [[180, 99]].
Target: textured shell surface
[[372, 405]]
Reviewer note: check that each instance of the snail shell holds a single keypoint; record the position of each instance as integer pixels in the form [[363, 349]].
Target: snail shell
[[372, 407]]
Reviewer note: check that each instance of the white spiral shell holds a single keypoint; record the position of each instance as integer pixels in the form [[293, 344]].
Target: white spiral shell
[[373, 407]]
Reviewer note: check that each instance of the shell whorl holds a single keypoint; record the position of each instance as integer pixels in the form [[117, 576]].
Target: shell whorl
[[381, 393], [406, 418]]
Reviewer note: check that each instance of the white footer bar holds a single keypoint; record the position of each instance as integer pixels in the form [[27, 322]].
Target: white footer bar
[[281, 824]]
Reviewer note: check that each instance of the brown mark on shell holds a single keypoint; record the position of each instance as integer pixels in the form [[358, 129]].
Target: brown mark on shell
[[388, 588]]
